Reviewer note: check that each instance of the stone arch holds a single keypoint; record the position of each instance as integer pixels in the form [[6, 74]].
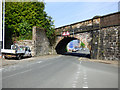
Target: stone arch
[[63, 41]]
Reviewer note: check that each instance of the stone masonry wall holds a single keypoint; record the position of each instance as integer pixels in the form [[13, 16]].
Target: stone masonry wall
[[41, 43], [105, 43], [108, 43], [94, 44]]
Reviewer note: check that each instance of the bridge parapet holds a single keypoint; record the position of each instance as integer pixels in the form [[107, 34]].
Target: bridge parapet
[[80, 26], [92, 24]]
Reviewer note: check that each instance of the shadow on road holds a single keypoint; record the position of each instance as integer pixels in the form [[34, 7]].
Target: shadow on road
[[77, 54], [16, 58]]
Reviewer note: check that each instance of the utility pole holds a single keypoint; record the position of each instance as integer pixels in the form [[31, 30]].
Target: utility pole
[[0, 27], [3, 24]]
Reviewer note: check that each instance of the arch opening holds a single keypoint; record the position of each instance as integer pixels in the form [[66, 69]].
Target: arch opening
[[63, 47]]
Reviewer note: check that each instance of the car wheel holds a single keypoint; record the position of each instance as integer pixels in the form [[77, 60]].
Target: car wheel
[[6, 57], [30, 55], [19, 57]]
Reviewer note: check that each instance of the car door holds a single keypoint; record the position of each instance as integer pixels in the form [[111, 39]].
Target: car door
[[29, 51], [26, 51]]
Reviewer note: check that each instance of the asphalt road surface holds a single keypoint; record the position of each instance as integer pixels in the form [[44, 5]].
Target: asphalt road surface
[[60, 72]]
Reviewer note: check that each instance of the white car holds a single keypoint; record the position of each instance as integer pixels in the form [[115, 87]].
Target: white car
[[17, 51], [75, 49]]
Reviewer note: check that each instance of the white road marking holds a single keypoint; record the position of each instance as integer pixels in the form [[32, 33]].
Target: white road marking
[[78, 72], [84, 78], [85, 87], [85, 83], [1, 68], [39, 62], [74, 86], [80, 77], [16, 74], [12, 68]]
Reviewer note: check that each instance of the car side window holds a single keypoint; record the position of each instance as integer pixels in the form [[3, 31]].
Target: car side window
[[28, 49]]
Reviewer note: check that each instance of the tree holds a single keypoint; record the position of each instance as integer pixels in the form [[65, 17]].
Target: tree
[[25, 31], [82, 45], [20, 17]]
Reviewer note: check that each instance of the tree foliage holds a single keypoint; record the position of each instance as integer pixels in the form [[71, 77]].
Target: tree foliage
[[82, 45], [20, 17]]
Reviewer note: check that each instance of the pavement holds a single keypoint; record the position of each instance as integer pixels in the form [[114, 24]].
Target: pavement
[[61, 71], [9, 62]]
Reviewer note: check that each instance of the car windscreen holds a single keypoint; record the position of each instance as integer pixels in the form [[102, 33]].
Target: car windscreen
[[14, 47]]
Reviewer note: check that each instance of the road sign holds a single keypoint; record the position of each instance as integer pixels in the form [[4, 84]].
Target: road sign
[[66, 33]]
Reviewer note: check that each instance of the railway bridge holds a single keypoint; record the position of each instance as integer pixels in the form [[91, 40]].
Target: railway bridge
[[100, 34]]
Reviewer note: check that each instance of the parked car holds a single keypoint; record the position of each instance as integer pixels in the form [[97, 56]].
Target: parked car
[[75, 49], [17, 52], [80, 48]]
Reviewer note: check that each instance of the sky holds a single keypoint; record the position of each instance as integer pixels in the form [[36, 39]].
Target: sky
[[65, 13]]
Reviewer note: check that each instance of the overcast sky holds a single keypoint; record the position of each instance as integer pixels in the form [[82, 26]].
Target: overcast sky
[[65, 13]]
